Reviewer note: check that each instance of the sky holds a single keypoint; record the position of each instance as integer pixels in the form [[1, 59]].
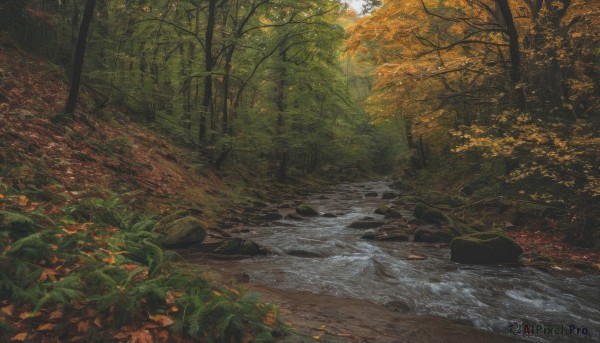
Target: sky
[[356, 4]]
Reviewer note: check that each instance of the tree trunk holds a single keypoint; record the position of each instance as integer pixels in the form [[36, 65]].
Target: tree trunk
[[515, 54], [88, 14], [208, 68]]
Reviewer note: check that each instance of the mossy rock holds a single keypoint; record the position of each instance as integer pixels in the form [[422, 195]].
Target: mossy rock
[[239, 246], [306, 210], [388, 211], [382, 209], [434, 235], [430, 214], [181, 232], [487, 247]]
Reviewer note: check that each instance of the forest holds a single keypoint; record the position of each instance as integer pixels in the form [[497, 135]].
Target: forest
[[299, 171]]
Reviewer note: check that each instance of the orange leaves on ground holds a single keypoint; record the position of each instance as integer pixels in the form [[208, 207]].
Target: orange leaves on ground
[[142, 336], [26, 315], [8, 310], [83, 327], [48, 274], [55, 315], [19, 337], [23, 200], [46, 327], [161, 319]]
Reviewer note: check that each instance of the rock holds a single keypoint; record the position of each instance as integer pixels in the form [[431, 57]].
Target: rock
[[272, 216], [239, 246], [398, 306], [282, 206], [293, 216], [329, 215], [382, 209], [415, 257], [371, 194], [181, 232], [369, 234], [388, 211], [385, 235], [485, 248], [306, 210], [303, 253], [430, 214], [389, 195], [366, 224], [434, 235], [367, 218]]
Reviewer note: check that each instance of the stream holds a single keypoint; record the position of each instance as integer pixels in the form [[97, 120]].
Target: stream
[[487, 297]]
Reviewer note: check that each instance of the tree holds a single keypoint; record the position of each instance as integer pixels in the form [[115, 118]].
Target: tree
[[79, 54]]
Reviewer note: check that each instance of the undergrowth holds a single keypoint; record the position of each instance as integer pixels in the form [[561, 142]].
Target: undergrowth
[[93, 271]]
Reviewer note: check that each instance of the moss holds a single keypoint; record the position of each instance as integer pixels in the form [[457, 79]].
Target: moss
[[492, 246]]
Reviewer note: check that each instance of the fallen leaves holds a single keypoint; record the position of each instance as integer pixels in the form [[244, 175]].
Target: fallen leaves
[[142, 336], [161, 319], [19, 337]]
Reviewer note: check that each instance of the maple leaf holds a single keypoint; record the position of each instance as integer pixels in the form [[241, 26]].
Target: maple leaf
[[142, 336], [55, 315], [161, 320], [48, 274], [19, 337], [83, 327], [8, 310], [22, 200], [46, 327]]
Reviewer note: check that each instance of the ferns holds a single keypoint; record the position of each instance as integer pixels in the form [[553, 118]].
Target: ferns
[[62, 292], [32, 247], [117, 274]]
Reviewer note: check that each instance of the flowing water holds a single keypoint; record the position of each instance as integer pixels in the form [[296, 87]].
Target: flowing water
[[487, 297]]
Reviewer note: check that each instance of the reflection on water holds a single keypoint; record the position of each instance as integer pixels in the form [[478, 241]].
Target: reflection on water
[[488, 297]]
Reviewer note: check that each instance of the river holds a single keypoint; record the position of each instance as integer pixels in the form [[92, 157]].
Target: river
[[488, 297]]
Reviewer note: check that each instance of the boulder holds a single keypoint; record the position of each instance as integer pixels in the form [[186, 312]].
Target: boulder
[[306, 210], [430, 214], [240, 246], [388, 211], [272, 216], [434, 235], [372, 194], [181, 232], [485, 248], [366, 224], [330, 215], [389, 195]]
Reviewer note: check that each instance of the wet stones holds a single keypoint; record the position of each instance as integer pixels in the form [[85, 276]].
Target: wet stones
[[395, 235], [489, 247], [366, 224], [180, 232], [306, 210]]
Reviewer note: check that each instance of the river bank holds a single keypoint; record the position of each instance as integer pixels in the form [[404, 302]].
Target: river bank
[[322, 256]]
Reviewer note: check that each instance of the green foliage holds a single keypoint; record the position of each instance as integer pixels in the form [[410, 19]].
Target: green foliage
[[116, 273]]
